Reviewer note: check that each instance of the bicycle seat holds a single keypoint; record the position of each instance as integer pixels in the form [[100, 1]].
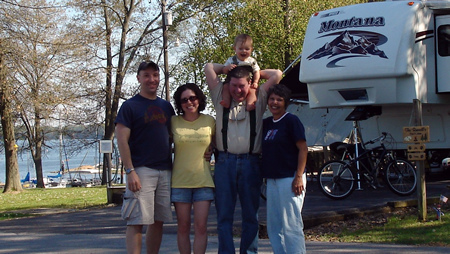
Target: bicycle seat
[[346, 147], [343, 147], [336, 146]]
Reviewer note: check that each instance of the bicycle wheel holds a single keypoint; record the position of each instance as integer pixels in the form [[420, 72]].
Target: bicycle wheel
[[401, 177], [337, 180]]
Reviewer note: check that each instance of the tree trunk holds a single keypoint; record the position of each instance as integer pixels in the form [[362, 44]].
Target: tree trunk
[[37, 158], [12, 166], [37, 155], [287, 29], [109, 121], [112, 97]]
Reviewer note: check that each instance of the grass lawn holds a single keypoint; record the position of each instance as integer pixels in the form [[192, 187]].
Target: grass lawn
[[70, 198], [396, 228], [407, 230]]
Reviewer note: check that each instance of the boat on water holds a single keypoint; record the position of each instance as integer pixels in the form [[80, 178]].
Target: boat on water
[[52, 183], [27, 182], [83, 176]]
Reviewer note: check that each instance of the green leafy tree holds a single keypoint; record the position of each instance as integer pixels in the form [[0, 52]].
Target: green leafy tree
[[128, 32], [277, 29]]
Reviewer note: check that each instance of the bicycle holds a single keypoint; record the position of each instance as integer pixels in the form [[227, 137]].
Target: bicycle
[[339, 178]]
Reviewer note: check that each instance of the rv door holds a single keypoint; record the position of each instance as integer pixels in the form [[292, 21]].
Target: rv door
[[443, 53]]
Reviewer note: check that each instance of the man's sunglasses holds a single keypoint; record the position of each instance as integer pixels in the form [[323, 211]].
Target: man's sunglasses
[[191, 99]]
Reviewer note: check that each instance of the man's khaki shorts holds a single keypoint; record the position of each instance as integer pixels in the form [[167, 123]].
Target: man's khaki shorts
[[152, 202]]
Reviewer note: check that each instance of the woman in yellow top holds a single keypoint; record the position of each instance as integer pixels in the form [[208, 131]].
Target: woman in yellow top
[[192, 183]]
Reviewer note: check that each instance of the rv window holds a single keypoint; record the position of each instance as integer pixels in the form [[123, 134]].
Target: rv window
[[444, 40]]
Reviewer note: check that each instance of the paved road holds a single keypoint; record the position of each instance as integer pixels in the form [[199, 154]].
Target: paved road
[[102, 230]]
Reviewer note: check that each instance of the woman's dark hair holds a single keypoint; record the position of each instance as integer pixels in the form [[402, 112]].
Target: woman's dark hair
[[199, 93], [282, 91]]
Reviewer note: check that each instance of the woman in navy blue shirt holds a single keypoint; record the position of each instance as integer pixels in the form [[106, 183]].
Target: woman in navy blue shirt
[[284, 156]]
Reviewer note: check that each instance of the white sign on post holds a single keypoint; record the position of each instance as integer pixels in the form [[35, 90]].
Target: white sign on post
[[106, 146]]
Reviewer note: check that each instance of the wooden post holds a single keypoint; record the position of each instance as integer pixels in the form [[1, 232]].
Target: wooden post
[[420, 164], [165, 53]]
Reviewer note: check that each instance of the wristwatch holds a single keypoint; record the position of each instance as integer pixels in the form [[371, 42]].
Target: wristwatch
[[129, 170]]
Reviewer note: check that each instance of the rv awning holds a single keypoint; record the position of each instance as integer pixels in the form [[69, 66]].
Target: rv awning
[[291, 80]]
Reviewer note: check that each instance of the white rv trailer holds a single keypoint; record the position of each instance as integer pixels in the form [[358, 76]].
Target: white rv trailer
[[383, 54]]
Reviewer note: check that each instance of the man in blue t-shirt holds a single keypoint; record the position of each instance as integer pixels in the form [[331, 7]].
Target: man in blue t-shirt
[[142, 132]]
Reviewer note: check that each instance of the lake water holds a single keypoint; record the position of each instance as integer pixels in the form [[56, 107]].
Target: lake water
[[51, 162]]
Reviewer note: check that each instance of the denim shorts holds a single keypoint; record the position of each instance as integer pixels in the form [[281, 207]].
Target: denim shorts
[[191, 195]]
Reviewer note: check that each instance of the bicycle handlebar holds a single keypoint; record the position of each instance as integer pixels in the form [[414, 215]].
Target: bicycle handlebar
[[380, 138]]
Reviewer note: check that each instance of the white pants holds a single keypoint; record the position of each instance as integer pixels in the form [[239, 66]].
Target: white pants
[[284, 216]]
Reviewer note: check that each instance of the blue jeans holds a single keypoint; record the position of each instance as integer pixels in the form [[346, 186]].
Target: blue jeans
[[237, 175], [284, 216]]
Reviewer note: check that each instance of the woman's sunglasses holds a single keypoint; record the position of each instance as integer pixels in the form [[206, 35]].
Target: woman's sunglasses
[[191, 99]]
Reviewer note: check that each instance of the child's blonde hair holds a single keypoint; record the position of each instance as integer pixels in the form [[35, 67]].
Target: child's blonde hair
[[243, 38]]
